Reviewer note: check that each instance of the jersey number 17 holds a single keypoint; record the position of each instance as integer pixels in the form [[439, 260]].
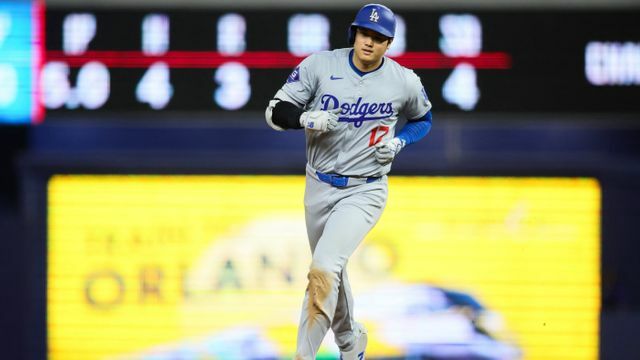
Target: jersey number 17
[[377, 134]]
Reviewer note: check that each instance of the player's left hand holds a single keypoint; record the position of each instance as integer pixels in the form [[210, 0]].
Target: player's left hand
[[387, 151]]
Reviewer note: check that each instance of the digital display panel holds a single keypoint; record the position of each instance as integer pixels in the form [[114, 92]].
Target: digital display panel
[[21, 54], [211, 60], [207, 266]]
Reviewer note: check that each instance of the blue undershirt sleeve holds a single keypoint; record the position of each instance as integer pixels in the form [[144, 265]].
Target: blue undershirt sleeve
[[414, 130]]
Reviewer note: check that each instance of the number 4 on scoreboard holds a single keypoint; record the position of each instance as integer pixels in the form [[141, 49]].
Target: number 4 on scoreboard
[[154, 88]]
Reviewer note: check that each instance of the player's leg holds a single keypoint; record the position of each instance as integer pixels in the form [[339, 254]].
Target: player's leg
[[355, 212], [317, 210], [349, 335], [342, 324], [342, 321]]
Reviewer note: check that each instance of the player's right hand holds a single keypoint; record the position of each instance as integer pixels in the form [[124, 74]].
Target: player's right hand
[[319, 120]]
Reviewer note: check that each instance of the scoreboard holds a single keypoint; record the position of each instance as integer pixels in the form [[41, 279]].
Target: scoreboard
[[162, 60], [202, 60]]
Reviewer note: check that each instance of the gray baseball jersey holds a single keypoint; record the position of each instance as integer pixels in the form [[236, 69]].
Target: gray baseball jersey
[[369, 109]]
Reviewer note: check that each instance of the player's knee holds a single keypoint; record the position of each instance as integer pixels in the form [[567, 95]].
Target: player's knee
[[320, 283]]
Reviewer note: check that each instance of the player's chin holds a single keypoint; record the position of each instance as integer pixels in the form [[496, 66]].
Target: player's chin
[[367, 57]]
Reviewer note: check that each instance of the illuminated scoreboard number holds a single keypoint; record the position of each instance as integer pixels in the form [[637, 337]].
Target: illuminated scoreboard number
[[203, 60]]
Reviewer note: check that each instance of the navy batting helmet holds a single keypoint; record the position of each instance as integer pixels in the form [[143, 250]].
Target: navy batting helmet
[[376, 17]]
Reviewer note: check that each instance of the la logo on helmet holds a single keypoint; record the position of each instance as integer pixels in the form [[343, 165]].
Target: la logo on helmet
[[374, 15]]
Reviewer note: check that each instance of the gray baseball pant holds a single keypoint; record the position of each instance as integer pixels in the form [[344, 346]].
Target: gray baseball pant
[[337, 220]]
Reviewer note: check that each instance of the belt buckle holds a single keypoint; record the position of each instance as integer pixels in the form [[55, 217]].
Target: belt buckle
[[338, 181], [333, 179]]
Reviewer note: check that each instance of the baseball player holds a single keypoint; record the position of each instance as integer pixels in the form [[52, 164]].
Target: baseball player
[[348, 101]]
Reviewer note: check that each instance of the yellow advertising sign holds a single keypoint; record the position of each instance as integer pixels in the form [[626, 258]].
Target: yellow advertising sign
[[214, 267]]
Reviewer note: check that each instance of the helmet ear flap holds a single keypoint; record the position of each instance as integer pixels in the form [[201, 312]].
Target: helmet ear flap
[[351, 34]]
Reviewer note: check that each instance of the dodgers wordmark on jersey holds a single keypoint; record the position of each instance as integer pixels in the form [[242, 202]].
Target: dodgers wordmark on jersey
[[368, 104]]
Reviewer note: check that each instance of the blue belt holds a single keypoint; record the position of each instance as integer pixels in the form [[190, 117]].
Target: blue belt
[[342, 181]]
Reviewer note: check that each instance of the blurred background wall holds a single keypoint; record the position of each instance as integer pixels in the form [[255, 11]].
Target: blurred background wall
[[532, 88]]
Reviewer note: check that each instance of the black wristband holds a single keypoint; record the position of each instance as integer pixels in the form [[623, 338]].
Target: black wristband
[[286, 115]]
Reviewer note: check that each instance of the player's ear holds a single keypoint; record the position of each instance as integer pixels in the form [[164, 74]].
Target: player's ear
[[389, 43]]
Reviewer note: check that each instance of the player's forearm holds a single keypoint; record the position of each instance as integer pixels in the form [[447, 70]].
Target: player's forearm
[[283, 114], [415, 130]]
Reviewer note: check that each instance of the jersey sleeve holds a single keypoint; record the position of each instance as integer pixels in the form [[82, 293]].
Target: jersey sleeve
[[417, 104], [301, 84]]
